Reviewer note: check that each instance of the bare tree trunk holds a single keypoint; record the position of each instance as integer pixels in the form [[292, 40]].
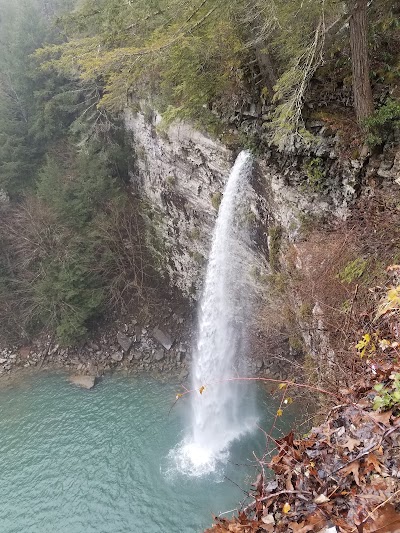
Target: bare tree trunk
[[363, 101]]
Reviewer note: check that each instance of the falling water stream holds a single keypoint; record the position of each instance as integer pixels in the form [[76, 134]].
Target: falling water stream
[[222, 411]]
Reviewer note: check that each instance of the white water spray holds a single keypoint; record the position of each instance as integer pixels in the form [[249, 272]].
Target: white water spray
[[218, 414]]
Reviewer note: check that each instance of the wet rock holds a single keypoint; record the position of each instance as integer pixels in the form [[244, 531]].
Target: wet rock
[[124, 341], [163, 338], [85, 382], [183, 375], [117, 356], [94, 346], [159, 355], [24, 352], [138, 355]]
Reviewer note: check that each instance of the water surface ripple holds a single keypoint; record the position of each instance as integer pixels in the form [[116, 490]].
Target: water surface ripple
[[76, 461]]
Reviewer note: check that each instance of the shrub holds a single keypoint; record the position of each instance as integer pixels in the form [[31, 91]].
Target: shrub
[[315, 172], [353, 270], [383, 123], [73, 250]]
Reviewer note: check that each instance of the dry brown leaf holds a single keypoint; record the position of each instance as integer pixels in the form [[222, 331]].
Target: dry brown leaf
[[302, 527], [350, 444], [372, 463], [266, 527], [385, 520], [381, 418], [313, 523], [321, 499], [352, 468], [267, 523], [268, 519]]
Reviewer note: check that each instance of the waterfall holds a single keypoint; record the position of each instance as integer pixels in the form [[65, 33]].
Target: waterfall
[[218, 414]]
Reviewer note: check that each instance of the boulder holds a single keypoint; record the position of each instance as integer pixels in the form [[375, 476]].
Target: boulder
[[163, 338], [159, 355], [24, 352], [117, 356], [124, 341], [85, 382]]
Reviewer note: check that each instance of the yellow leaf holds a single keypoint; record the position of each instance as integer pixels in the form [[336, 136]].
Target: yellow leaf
[[286, 508], [201, 390], [282, 385], [279, 412], [393, 294], [179, 395]]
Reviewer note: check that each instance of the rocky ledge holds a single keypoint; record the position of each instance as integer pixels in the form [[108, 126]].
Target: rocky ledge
[[160, 346]]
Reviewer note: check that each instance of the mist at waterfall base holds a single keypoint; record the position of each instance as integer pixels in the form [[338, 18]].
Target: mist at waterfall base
[[224, 410]]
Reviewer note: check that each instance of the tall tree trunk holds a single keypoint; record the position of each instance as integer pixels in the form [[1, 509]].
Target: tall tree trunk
[[363, 101]]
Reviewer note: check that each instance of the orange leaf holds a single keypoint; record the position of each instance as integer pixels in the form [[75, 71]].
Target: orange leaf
[[372, 461], [352, 468], [381, 418]]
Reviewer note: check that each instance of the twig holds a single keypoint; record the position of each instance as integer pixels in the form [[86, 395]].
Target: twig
[[376, 508]]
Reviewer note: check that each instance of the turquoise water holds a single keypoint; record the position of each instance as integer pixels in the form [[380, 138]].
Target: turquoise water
[[77, 461]]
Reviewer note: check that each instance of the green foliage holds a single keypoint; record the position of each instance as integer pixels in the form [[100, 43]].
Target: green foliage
[[315, 172], [68, 294], [32, 112], [74, 248], [198, 61], [353, 270], [388, 396], [383, 123], [279, 282]]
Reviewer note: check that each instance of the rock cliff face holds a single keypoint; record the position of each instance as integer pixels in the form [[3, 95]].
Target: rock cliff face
[[180, 175]]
